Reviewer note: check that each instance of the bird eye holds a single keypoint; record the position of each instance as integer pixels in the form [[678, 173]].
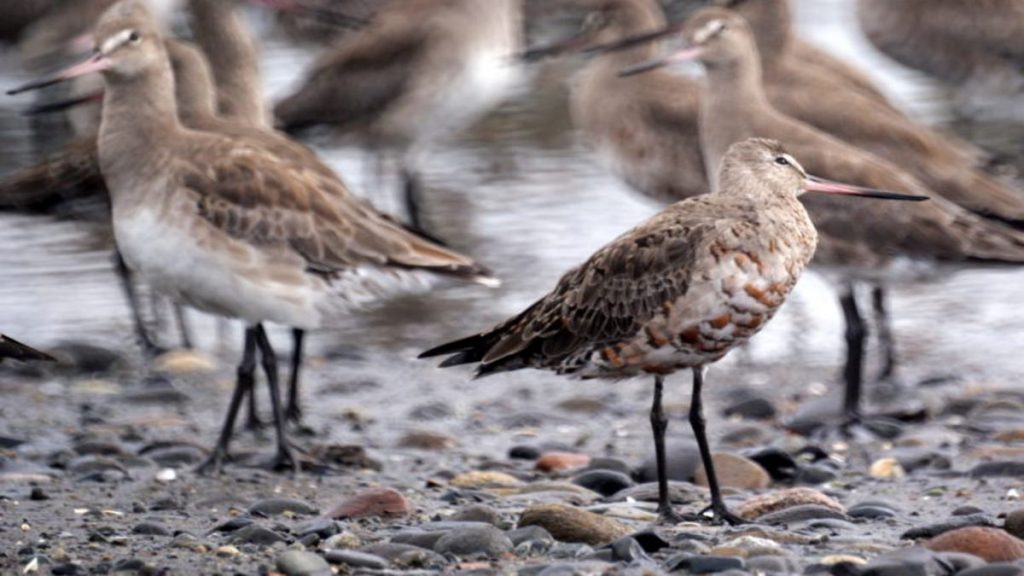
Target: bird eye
[[781, 161], [134, 37]]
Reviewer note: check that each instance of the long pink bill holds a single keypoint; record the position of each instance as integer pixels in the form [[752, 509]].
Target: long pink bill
[[572, 44], [815, 184], [685, 55], [97, 63], [632, 41]]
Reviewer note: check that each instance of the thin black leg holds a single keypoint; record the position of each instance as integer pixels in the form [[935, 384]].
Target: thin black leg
[[183, 329], [148, 347], [244, 385], [886, 340], [412, 191], [252, 415], [856, 334], [659, 424], [718, 508], [293, 412], [284, 457]]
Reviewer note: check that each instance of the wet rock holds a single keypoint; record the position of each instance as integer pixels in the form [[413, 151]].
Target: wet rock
[[322, 527], [953, 523], [529, 534], [779, 464], [97, 469], [37, 494], [748, 546], [278, 506], [735, 471], [678, 493], [425, 440], [558, 461], [68, 569], [427, 535], [604, 482], [356, 559], [991, 544], [406, 556], [913, 458], [85, 358], [474, 541], [233, 524], [345, 455], [650, 541], [813, 474], [801, 513], [612, 464], [775, 501], [886, 469], [576, 550], [1014, 523], [585, 568], [751, 407], [999, 468], [477, 513], [703, 564], [255, 534], [302, 563], [682, 458], [372, 502], [997, 569], [774, 565], [627, 550], [485, 479], [151, 529], [568, 524], [98, 448], [179, 456], [189, 542], [524, 453], [870, 511], [966, 510]]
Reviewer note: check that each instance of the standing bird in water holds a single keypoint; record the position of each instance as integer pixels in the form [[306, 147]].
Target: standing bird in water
[[234, 227], [422, 70], [678, 291]]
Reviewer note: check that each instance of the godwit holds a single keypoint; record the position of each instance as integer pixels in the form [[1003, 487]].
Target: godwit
[[14, 350], [423, 69], [644, 131], [678, 291], [735, 107], [976, 48], [232, 228]]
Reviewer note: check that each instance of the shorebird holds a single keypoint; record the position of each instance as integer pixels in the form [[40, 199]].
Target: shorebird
[[422, 70], [644, 130], [678, 291], [976, 49], [736, 107], [14, 350], [230, 227]]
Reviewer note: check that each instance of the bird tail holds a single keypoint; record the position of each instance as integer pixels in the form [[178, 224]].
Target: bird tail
[[11, 348], [71, 173]]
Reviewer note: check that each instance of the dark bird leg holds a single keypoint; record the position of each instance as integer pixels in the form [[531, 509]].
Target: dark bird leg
[[412, 189], [718, 508], [885, 336], [183, 329], [293, 412], [856, 334], [659, 424], [148, 347], [243, 386], [252, 416], [284, 457]]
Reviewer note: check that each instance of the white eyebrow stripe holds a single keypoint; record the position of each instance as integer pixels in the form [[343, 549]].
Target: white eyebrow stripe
[[708, 30], [115, 41]]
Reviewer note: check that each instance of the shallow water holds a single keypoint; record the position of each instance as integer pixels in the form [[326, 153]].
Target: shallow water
[[529, 203]]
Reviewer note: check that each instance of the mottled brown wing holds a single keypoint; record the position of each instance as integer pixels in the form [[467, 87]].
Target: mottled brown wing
[[257, 197], [71, 173], [356, 81], [608, 298]]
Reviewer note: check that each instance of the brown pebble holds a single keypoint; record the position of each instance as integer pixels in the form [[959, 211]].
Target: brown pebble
[[424, 440], [372, 502], [558, 461], [485, 479], [568, 524], [1014, 523], [990, 544], [735, 471], [781, 499]]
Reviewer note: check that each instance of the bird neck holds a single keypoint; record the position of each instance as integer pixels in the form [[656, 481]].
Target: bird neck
[[772, 24], [234, 60]]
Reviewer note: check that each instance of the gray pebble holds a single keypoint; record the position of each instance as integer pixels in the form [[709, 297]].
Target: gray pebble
[[703, 564], [999, 468], [475, 541], [588, 568], [1000, 569], [278, 506], [682, 459], [406, 555], [151, 529], [612, 464], [627, 550], [302, 563], [356, 558], [774, 565], [177, 456], [478, 513], [953, 523], [801, 513], [570, 550], [604, 482], [256, 534], [529, 534], [871, 512]]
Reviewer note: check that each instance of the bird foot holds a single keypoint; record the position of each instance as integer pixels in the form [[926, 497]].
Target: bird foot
[[213, 465], [285, 460], [717, 514], [255, 425], [666, 515], [293, 414]]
